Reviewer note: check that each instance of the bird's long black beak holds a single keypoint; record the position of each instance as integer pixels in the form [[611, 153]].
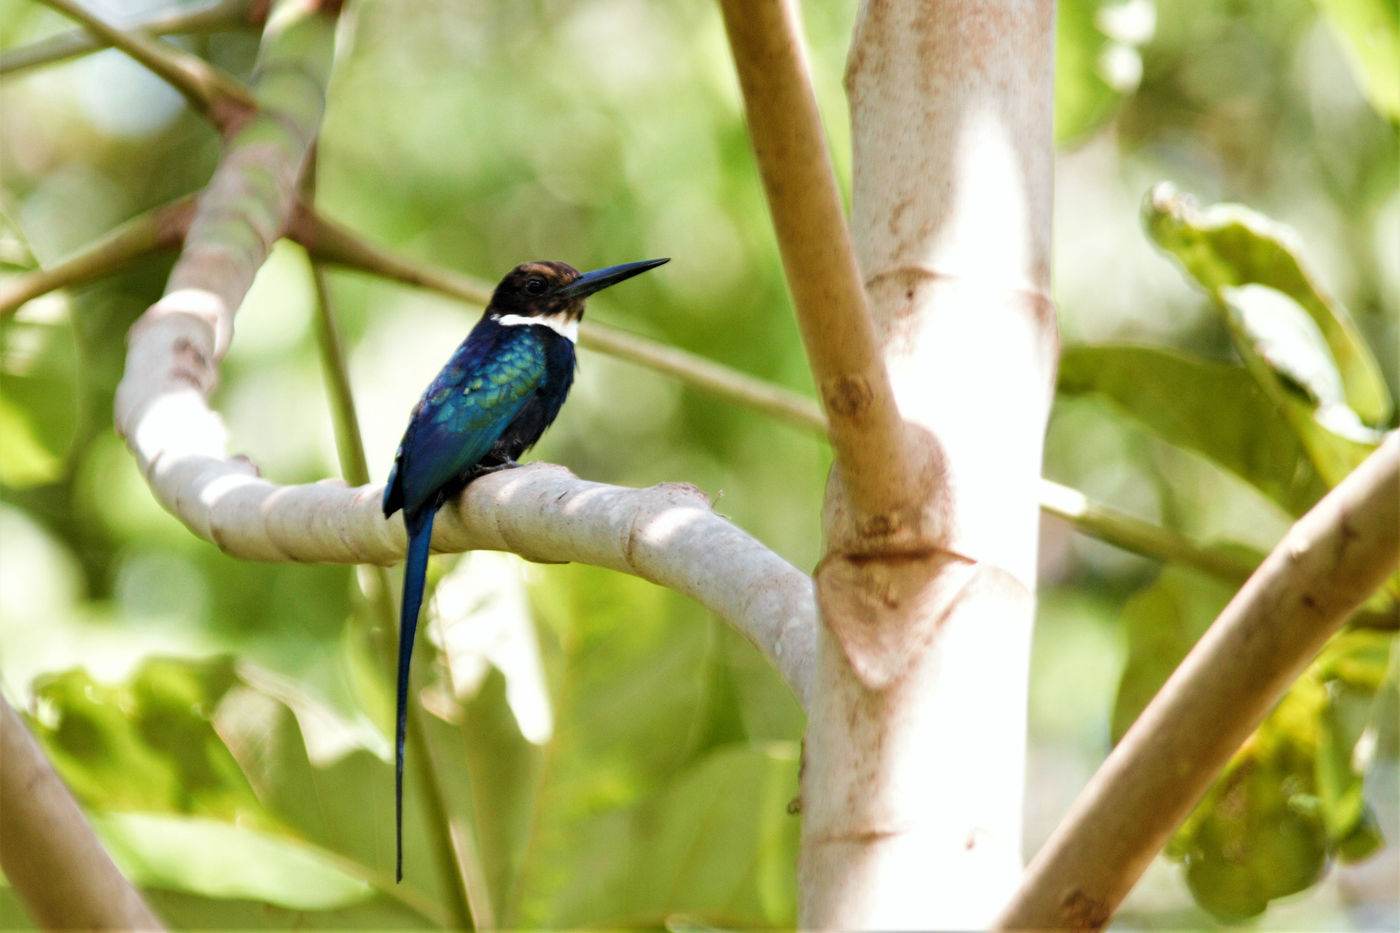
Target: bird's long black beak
[[599, 279]]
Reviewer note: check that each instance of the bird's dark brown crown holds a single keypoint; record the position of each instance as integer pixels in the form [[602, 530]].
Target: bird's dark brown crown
[[529, 290]]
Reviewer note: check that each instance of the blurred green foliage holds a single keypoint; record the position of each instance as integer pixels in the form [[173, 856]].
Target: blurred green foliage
[[224, 722]]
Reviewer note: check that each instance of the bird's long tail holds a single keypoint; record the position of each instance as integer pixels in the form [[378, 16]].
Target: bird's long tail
[[415, 572]]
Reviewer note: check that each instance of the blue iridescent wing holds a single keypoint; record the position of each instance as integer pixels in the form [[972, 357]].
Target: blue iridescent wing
[[486, 383]]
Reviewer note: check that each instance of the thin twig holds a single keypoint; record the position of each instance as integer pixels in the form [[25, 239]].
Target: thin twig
[[1330, 561], [1116, 527], [160, 228], [207, 89], [180, 20], [349, 443], [751, 392], [329, 242]]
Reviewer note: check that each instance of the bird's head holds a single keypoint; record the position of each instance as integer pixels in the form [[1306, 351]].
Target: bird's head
[[554, 292]]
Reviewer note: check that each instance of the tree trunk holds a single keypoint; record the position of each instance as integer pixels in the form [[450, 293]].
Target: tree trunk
[[914, 757]]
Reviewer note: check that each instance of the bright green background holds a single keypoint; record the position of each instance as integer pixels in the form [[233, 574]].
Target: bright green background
[[224, 721]]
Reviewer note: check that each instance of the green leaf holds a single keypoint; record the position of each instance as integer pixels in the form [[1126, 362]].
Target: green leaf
[[1215, 409], [1370, 34], [1359, 660], [1293, 797], [1276, 342], [718, 844], [1364, 841], [182, 910], [339, 800], [649, 777], [1228, 246], [1257, 834], [1339, 783], [736, 800], [147, 744], [218, 859], [1239, 863]]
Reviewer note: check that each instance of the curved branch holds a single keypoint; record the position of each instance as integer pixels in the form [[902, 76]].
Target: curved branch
[[244, 209], [326, 242], [44, 837], [1330, 561]]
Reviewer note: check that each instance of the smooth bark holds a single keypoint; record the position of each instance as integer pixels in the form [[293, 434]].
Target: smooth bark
[[926, 589], [1330, 561], [51, 858]]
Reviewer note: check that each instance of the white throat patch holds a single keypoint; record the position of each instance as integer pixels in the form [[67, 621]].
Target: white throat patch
[[561, 324]]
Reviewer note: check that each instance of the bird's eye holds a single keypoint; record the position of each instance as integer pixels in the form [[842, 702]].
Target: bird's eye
[[534, 285]]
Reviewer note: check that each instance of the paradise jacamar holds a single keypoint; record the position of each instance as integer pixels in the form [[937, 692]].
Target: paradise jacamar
[[500, 390]]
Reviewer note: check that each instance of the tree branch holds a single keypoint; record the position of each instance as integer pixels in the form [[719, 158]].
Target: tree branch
[[51, 858], [874, 456], [329, 242], [1330, 561], [174, 347], [326, 242], [207, 89], [180, 20], [160, 228], [1116, 527]]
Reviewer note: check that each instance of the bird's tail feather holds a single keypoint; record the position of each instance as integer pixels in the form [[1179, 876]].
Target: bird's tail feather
[[415, 572]]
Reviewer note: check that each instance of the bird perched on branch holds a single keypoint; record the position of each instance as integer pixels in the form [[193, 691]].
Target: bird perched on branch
[[500, 390]]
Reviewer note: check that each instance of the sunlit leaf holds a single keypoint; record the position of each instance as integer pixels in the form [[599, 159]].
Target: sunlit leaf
[[219, 859], [483, 614], [146, 744], [1279, 351], [1293, 797], [1339, 783], [503, 772], [1228, 246]]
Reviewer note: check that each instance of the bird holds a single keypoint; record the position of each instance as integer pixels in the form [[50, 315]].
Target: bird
[[499, 391]]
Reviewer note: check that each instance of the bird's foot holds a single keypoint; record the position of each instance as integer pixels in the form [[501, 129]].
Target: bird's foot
[[496, 467]]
